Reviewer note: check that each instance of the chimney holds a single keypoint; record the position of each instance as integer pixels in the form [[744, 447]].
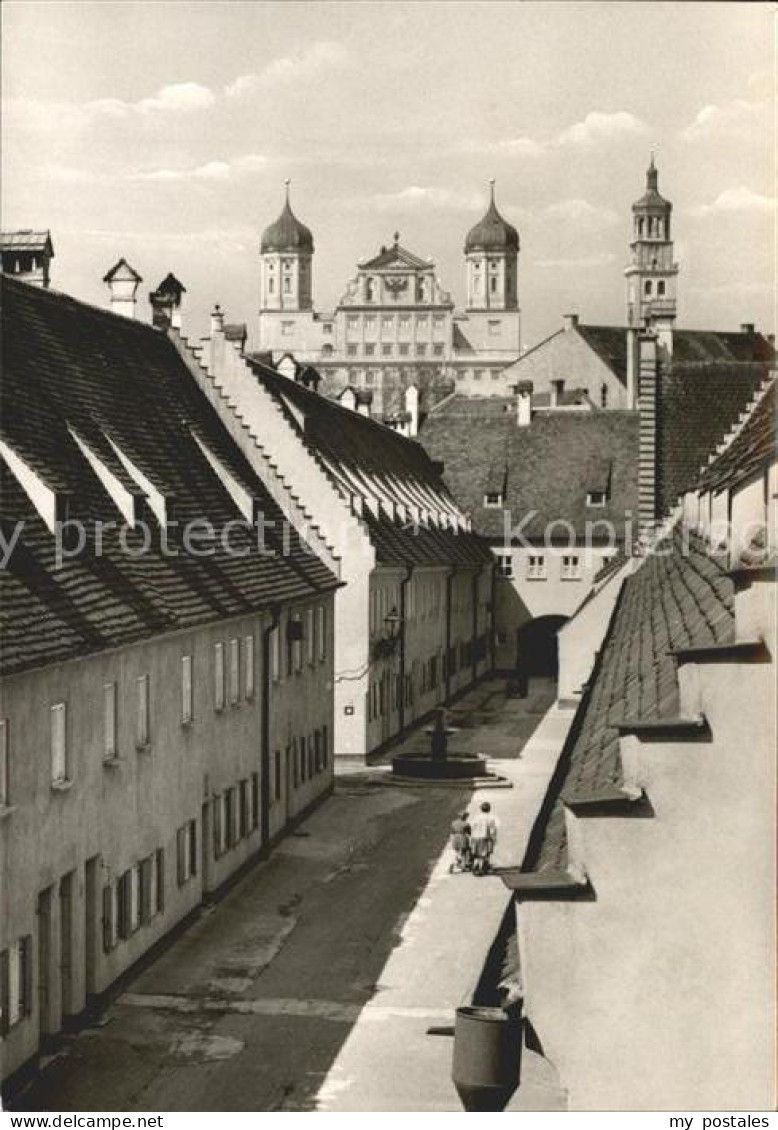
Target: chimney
[[747, 327], [166, 303], [647, 443], [217, 320], [523, 393], [557, 389], [123, 282], [570, 322]]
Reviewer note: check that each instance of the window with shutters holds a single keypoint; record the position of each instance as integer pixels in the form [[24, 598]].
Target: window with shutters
[[5, 764], [254, 801], [143, 735], [234, 672], [187, 697], [110, 745], [248, 665], [218, 676], [147, 893], [186, 851], [158, 901], [229, 818], [15, 983], [59, 760]]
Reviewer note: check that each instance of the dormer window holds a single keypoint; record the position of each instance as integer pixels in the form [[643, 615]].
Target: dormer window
[[493, 500], [596, 498]]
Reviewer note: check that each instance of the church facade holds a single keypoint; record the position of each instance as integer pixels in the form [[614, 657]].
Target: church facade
[[395, 327]]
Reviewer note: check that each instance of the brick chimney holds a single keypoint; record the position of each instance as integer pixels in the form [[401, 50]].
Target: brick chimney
[[523, 393], [123, 282], [570, 322], [166, 303], [747, 327]]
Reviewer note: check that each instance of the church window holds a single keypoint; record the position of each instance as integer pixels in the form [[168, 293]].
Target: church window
[[660, 288]]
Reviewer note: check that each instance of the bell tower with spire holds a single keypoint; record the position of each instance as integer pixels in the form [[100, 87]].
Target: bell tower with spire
[[492, 318], [652, 273], [287, 254]]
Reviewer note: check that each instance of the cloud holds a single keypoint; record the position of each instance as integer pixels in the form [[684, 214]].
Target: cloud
[[319, 57], [737, 200], [216, 171], [598, 127], [581, 213], [717, 122], [416, 197], [179, 98]]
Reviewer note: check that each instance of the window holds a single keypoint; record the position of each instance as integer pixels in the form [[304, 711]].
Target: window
[[123, 905], [322, 632], [16, 983], [596, 498], [234, 672], [109, 721], [369, 348], [536, 567], [603, 396], [301, 751], [387, 322], [186, 852], [494, 323], [386, 349], [505, 564], [310, 755], [571, 567], [493, 499], [437, 350], [218, 676], [317, 750], [5, 768], [325, 745], [351, 350], [271, 286], [287, 290], [277, 775], [59, 762], [493, 284], [275, 653], [229, 818], [218, 827], [403, 349], [660, 288], [186, 689], [291, 751], [421, 349], [287, 328], [647, 287], [310, 640], [295, 630], [248, 665]]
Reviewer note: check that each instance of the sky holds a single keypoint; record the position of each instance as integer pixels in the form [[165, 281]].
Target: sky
[[163, 132]]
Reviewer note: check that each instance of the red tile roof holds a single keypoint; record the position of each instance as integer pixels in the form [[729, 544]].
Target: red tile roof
[[72, 366], [677, 598]]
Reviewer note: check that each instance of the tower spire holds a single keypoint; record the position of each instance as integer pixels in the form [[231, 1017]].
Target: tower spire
[[492, 183], [652, 175], [288, 185]]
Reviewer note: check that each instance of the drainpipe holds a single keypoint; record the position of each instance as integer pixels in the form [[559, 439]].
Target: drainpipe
[[264, 776], [403, 609], [449, 578], [476, 576], [491, 617]]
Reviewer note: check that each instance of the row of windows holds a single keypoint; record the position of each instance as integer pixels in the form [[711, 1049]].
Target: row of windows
[[369, 349], [135, 899], [235, 815], [401, 321], [303, 639], [660, 288], [15, 983], [594, 498], [571, 567], [308, 756]]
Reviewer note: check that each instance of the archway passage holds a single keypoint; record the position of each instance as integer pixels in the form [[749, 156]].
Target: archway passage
[[537, 647]]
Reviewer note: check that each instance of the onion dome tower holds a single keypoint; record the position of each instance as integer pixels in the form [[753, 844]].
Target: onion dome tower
[[287, 253], [492, 255]]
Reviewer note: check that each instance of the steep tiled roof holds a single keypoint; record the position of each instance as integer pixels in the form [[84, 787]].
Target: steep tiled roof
[[751, 449], [698, 405], [679, 597], [26, 240], [689, 347], [71, 368], [550, 465], [363, 448]]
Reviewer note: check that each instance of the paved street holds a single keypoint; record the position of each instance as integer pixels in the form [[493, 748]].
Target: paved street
[[250, 1008]]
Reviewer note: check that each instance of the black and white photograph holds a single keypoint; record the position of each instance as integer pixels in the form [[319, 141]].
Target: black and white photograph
[[388, 479]]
